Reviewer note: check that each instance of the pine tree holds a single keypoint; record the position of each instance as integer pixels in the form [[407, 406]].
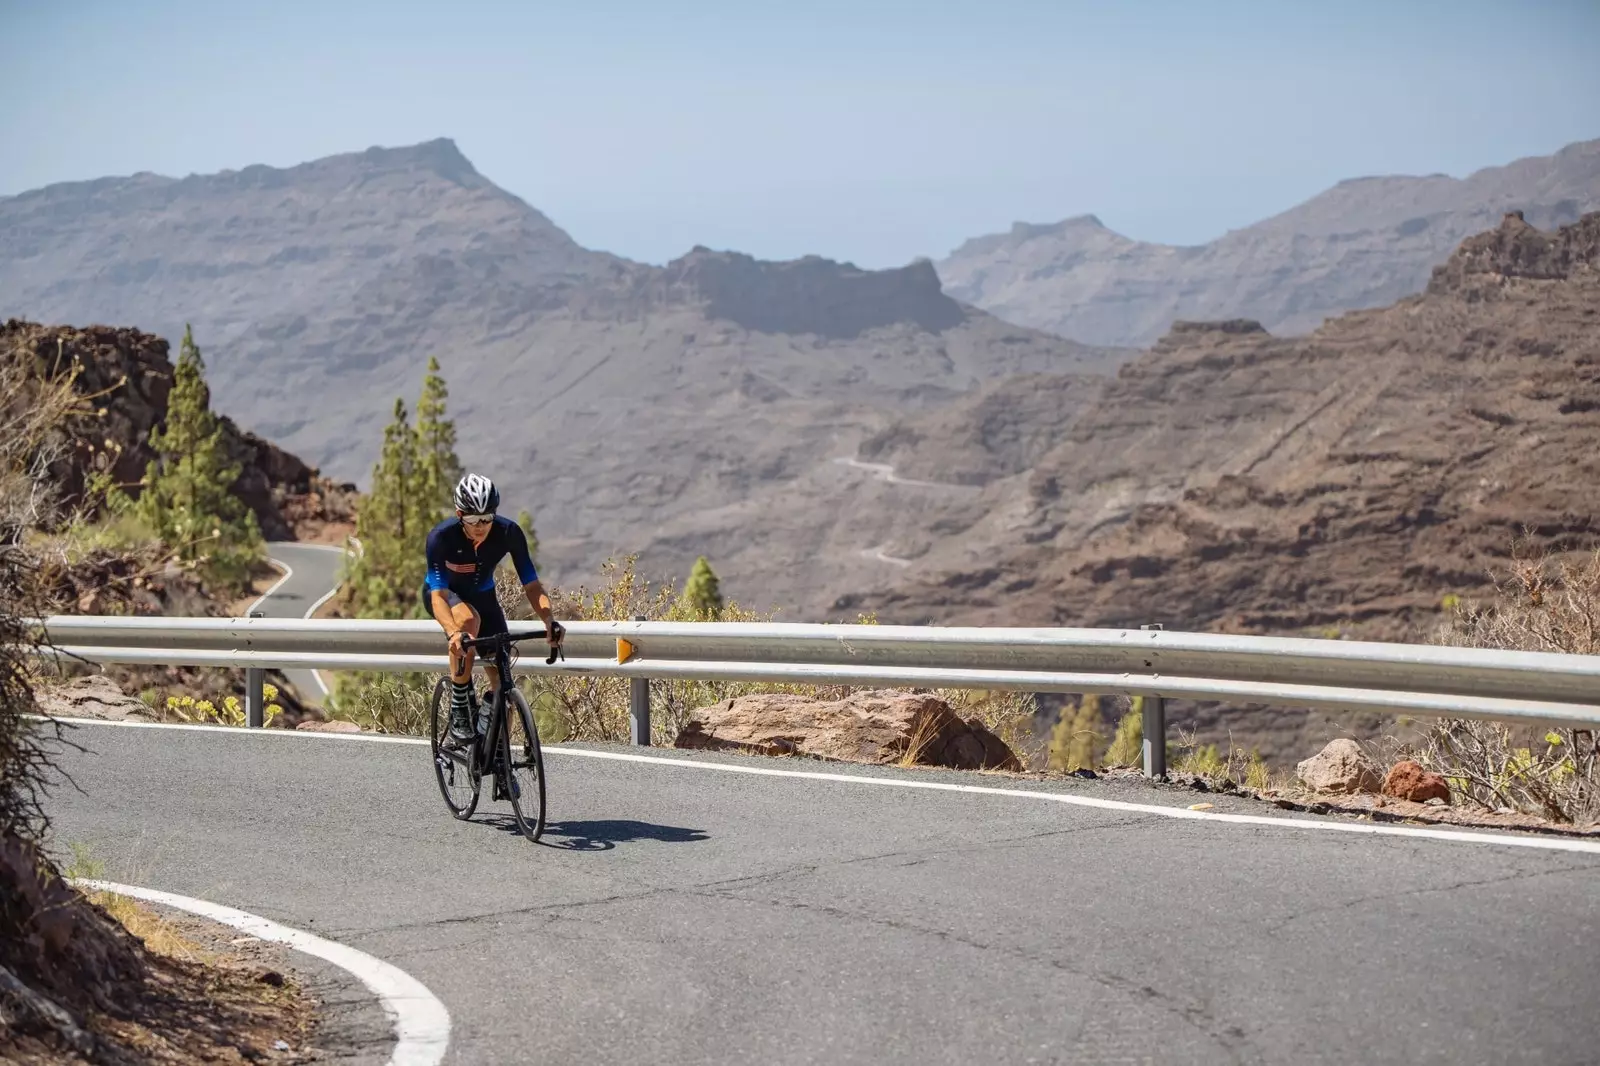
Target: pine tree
[[525, 520], [703, 593], [186, 495], [386, 526], [412, 485], [437, 467]]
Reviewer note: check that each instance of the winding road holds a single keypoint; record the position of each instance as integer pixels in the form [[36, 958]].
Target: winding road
[[310, 578], [734, 910]]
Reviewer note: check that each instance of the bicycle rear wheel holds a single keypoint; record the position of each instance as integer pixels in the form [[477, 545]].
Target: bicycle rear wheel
[[523, 759], [457, 783]]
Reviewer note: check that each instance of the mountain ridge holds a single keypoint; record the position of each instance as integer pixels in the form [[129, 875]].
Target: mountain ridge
[[1364, 242], [617, 400]]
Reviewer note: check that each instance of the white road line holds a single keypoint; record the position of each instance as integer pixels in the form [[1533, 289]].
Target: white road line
[[316, 675], [421, 1023], [288, 572], [1465, 836]]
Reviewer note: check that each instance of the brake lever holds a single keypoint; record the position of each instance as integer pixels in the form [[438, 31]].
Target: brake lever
[[556, 649]]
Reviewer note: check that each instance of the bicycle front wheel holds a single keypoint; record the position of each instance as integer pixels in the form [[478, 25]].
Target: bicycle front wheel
[[523, 763], [457, 783]]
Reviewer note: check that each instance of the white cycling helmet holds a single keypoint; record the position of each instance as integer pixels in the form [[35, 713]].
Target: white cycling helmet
[[476, 494]]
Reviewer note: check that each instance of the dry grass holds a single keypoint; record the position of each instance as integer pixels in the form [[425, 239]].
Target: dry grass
[[1215, 766], [1543, 604], [157, 933], [1127, 742]]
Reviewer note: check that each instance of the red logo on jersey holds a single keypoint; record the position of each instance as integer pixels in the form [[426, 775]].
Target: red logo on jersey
[[461, 568]]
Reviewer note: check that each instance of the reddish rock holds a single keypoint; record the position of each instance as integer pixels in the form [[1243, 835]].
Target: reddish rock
[[870, 727], [1409, 781]]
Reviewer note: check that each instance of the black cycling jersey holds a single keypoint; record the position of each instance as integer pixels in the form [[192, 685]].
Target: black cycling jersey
[[454, 563]]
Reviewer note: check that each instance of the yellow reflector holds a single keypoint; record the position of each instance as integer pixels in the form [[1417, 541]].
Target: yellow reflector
[[624, 650]]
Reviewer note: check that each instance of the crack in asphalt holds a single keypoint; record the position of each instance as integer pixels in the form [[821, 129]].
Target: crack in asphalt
[[1231, 1039], [921, 854], [1425, 890]]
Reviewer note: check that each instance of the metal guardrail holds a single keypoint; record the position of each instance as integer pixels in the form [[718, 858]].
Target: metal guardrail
[[1428, 680]]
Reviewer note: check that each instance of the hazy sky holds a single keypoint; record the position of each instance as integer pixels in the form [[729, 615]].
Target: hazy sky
[[872, 130]]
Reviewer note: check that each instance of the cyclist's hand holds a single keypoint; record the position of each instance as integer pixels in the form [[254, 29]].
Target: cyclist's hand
[[455, 643], [556, 632]]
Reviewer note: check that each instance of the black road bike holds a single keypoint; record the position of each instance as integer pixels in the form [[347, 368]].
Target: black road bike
[[507, 752]]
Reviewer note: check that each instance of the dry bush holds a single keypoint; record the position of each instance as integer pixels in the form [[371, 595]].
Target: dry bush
[[1542, 604], [595, 708], [591, 708], [37, 409]]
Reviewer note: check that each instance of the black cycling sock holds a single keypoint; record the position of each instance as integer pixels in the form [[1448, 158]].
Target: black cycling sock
[[459, 693]]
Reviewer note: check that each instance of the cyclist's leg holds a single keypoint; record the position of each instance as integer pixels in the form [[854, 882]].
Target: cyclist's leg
[[491, 622], [462, 616]]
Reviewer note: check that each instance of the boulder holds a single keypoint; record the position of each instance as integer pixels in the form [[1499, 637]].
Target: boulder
[[1340, 767], [883, 726], [95, 696], [1407, 780], [311, 725]]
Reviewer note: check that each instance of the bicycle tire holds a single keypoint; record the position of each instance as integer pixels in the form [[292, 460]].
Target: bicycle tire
[[526, 790], [451, 769]]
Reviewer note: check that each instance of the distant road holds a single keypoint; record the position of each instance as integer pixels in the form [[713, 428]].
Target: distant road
[[886, 473], [311, 577], [730, 910]]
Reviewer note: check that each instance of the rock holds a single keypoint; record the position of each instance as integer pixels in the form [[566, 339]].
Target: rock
[[869, 727], [1407, 780], [1340, 767], [95, 696], [313, 726]]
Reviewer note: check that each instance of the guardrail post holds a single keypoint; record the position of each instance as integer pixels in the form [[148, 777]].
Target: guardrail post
[[639, 704], [1155, 732], [255, 706]]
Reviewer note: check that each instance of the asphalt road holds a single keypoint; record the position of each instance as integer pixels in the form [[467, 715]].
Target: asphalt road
[[313, 575], [677, 914]]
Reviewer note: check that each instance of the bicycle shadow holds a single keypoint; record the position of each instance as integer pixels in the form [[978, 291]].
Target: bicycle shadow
[[603, 834]]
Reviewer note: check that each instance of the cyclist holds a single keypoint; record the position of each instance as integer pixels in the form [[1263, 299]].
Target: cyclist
[[459, 590]]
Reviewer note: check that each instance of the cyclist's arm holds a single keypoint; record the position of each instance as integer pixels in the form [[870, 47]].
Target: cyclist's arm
[[517, 543]]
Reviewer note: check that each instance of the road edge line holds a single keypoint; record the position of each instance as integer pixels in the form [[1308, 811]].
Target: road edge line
[[288, 572], [420, 1021], [1469, 836]]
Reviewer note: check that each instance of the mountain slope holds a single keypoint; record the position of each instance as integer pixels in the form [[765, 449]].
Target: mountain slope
[[615, 400], [1364, 243], [1350, 479]]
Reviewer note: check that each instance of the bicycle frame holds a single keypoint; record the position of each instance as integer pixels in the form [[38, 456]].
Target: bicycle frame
[[500, 645]]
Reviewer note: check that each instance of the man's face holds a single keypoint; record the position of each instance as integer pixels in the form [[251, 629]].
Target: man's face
[[477, 526]]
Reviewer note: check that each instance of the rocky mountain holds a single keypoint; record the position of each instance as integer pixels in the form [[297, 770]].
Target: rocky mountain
[[1231, 479], [630, 407], [1364, 243], [1343, 483], [125, 377]]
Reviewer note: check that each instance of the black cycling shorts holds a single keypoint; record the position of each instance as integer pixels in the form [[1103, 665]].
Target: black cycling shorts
[[491, 619]]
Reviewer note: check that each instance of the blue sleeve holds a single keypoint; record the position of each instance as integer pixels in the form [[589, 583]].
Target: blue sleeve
[[517, 542], [435, 581]]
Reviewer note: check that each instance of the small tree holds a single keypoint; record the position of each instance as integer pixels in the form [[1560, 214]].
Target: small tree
[[390, 568], [525, 520], [1079, 732], [186, 494], [412, 485], [437, 467], [703, 593]]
